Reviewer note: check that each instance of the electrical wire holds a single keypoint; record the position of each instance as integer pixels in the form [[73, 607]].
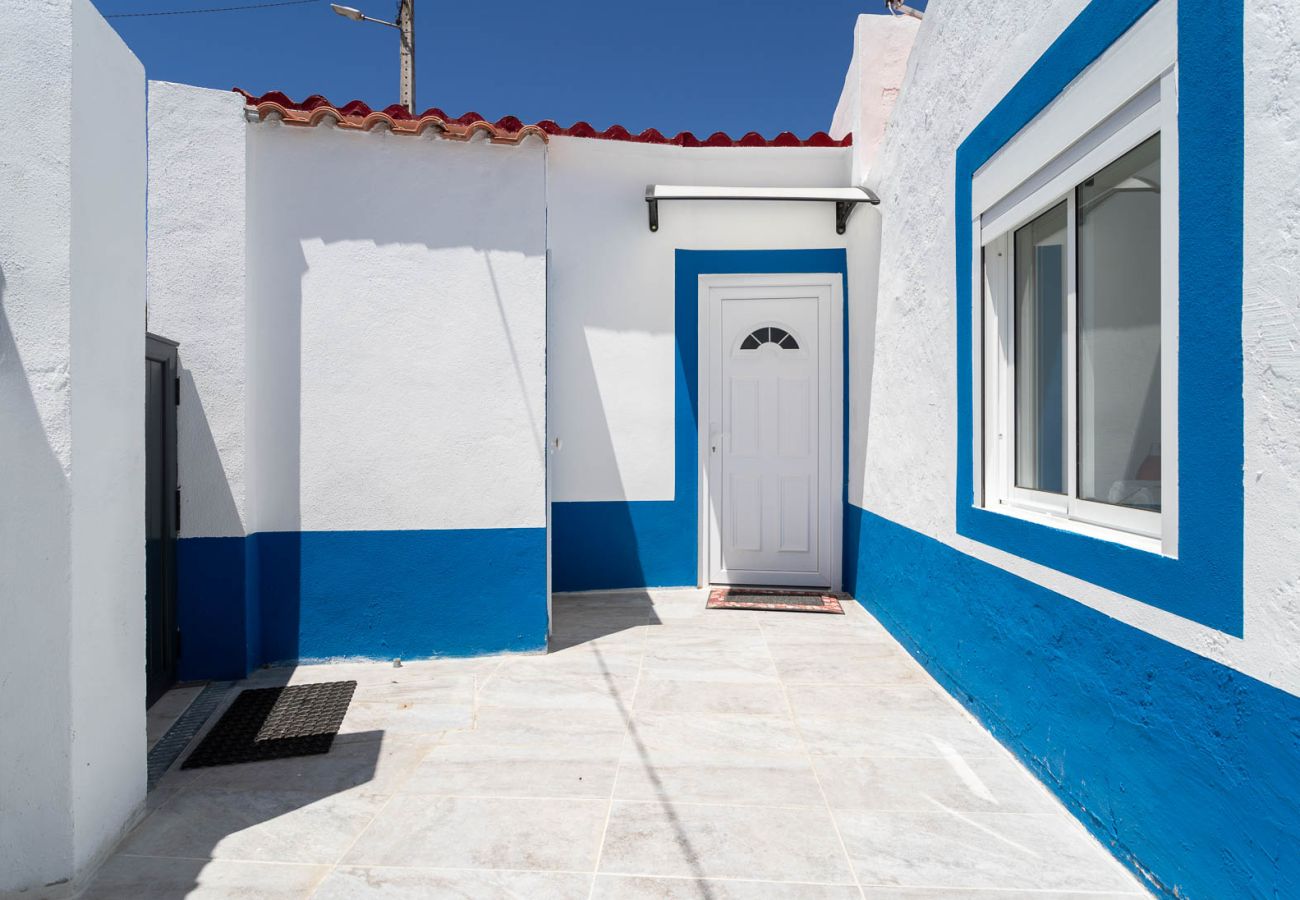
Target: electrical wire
[[189, 12]]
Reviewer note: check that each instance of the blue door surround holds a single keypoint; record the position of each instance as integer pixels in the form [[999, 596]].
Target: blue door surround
[[653, 543], [1205, 582]]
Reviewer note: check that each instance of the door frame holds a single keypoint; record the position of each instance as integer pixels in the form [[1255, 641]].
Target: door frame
[[705, 530]]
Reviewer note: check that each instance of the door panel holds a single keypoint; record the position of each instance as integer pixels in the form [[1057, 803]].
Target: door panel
[[768, 464], [792, 411], [745, 500], [796, 504], [745, 415]]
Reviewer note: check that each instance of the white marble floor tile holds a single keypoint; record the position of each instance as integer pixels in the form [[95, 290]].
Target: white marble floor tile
[[538, 770], [479, 833], [622, 887], [718, 735], [726, 697], [765, 844], [580, 729], [517, 690], [262, 826], [688, 777], [946, 848], [374, 883], [896, 735], [864, 664], [155, 878], [988, 784]]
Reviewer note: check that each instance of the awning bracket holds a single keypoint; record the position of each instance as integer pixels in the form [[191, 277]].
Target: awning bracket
[[843, 209]]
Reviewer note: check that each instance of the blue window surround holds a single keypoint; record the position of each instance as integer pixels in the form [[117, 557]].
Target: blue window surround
[[1205, 583], [622, 544]]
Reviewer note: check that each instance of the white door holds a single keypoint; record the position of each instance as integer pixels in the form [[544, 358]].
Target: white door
[[770, 424]]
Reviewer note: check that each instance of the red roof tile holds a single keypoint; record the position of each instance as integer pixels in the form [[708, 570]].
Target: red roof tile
[[506, 130]]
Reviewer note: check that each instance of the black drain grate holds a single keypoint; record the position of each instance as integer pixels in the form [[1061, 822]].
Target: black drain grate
[[273, 723], [178, 737]]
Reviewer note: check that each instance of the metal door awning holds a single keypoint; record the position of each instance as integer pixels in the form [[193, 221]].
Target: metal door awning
[[844, 198]]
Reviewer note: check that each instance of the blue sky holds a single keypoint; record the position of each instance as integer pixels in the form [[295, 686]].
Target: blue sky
[[694, 65]]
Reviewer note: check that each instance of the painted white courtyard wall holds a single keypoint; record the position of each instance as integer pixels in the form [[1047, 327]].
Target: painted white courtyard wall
[[72, 666], [965, 61], [36, 454], [396, 332], [108, 291], [611, 345], [196, 291], [881, 47]]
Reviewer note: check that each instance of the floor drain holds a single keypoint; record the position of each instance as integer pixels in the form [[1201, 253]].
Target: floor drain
[[178, 737]]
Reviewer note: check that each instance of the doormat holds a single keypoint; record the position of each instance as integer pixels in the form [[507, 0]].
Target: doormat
[[765, 598], [274, 723]]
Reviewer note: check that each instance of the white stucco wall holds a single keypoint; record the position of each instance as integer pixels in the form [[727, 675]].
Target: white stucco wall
[[965, 60], [72, 399], [611, 294], [36, 452], [396, 332], [881, 47], [196, 291], [108, 296]]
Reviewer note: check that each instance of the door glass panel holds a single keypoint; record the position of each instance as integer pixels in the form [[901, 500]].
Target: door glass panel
[[1119, 331], [1040, 291]]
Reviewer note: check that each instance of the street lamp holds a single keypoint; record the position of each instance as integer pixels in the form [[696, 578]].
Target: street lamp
[[406, 25]]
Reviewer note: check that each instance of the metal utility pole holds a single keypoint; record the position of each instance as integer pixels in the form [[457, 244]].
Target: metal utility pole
[[405, 26], [899, 8]]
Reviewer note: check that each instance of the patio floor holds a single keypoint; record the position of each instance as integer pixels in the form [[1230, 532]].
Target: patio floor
[[659, 751]]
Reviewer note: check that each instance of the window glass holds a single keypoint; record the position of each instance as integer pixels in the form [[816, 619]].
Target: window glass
[[770, 335], [1040, 343], [1118, 216]]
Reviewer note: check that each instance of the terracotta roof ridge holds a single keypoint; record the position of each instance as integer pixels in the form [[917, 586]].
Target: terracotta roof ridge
[[356, 115]]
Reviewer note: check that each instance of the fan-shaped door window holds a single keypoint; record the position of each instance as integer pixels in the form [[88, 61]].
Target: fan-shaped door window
[[769, 335]]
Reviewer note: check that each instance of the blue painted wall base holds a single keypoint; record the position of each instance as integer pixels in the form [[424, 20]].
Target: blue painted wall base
[[617, 544], [1188, 770], [296, 596], [210, 609]]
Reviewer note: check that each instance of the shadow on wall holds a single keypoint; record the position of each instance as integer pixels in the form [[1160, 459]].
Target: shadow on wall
[[210, 603], [361, 277], [594, 544], [206, 482], [860, 357], [35, 560], [273, 594]]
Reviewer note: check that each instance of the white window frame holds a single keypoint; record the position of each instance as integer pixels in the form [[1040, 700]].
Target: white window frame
[[1126, 97]]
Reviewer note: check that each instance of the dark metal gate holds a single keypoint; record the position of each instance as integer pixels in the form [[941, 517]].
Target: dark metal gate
[[162, 516]]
